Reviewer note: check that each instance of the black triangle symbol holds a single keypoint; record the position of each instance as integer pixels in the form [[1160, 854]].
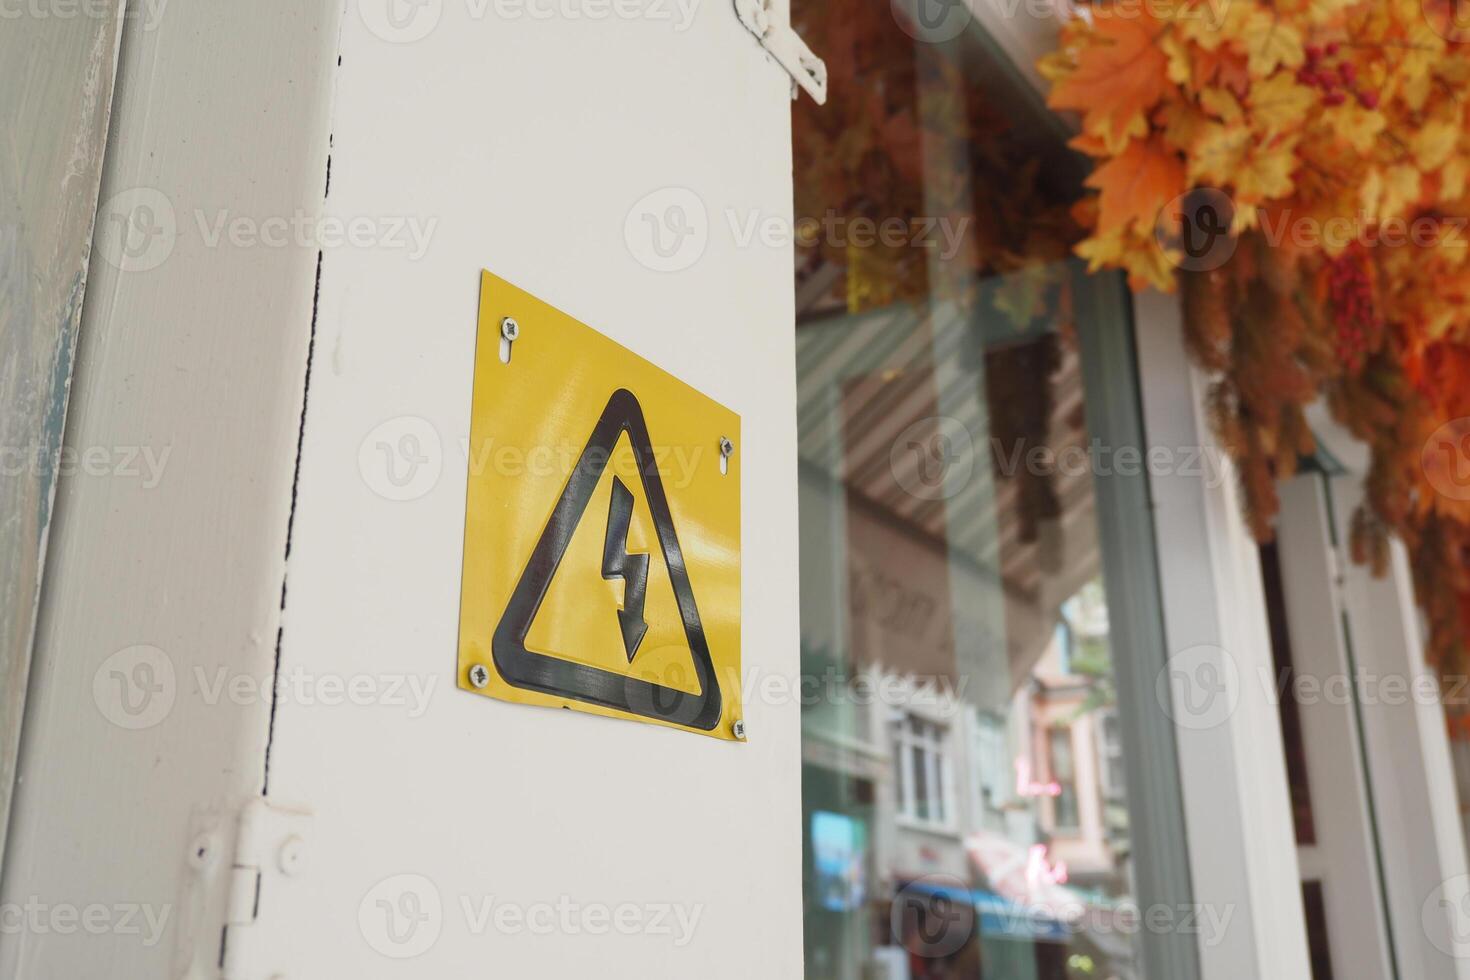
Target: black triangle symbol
[[564, 678]]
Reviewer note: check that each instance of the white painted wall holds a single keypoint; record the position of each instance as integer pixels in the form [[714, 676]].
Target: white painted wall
[[519, 145], [527, 143]]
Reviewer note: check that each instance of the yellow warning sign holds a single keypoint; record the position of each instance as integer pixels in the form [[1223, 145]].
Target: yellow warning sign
[[602, 528]]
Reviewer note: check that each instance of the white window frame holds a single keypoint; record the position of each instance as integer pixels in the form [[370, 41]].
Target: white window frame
[[1237, 805], [933, 743], [1073, 829], [1109, 754]]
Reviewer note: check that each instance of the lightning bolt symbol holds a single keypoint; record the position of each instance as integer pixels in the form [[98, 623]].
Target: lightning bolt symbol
[[632, 569]]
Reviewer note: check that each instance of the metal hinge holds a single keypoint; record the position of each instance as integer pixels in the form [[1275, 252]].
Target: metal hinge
[[270, 857], [770, 22]]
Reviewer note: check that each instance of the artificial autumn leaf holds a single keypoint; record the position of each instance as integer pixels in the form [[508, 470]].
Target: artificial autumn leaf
[[1134, 186], [1267, 173], [1387, 194], [1335, 126], [1434, 144], [1271, 43], [1119, 76], [1359, 127], [1221, 104], [1279, 103], [1452, 179], [1217, 153]]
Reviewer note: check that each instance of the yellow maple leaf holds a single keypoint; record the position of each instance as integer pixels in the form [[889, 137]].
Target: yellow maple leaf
[[1452, 179], [1181, 58], [1221, 104], [1270, 43], [1101, 251], [1227, 20], [1415, 89], [1434, 143], [1358, 126], [1370, 193], [1149, 265], [1217, 153], [1145, 261], [1279, 103], [1400, 189], [1267, 173], [1314, 11]]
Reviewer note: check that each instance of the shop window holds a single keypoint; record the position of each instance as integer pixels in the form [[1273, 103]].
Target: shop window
[[975, 545]]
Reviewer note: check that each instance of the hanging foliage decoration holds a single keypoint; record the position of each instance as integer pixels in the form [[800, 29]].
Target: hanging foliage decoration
[[1337, 133]]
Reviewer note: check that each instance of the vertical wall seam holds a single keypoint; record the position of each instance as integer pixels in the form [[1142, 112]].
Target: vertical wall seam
[[316, 299], [291, 525]]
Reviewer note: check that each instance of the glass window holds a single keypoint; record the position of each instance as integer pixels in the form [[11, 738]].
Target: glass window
[[975, 549], [922, 770], [1065, 819]]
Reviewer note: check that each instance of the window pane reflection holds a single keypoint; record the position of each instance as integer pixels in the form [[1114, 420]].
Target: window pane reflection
[[965, 808]]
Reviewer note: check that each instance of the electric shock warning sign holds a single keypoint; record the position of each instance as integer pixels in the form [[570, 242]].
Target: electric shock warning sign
[[602, 528]]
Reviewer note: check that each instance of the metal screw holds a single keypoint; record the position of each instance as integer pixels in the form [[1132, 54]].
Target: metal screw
[[292, 856], [479, 676], [201, 852], [738, 729], [727, 448], [509, 328]]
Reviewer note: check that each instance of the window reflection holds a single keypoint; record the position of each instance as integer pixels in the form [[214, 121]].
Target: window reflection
[[965, 807]]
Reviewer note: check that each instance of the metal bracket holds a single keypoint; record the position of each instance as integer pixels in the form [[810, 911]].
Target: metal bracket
[[270, 857], [770, 22]]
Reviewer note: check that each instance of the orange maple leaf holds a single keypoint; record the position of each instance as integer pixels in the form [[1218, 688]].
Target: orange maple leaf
[[1135, 185], [1119, 76]]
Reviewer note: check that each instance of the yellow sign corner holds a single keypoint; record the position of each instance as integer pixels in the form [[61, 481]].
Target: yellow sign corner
[[602, 528]]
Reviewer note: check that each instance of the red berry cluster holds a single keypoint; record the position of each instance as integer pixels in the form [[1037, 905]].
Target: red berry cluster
[[1350, 298], [1334, 81]]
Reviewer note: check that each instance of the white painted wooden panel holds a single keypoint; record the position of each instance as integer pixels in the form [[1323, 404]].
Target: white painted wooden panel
[[55, 101], [165, 579], [1242, 852], [1422, 851], [1346, 841], [529, 147]]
